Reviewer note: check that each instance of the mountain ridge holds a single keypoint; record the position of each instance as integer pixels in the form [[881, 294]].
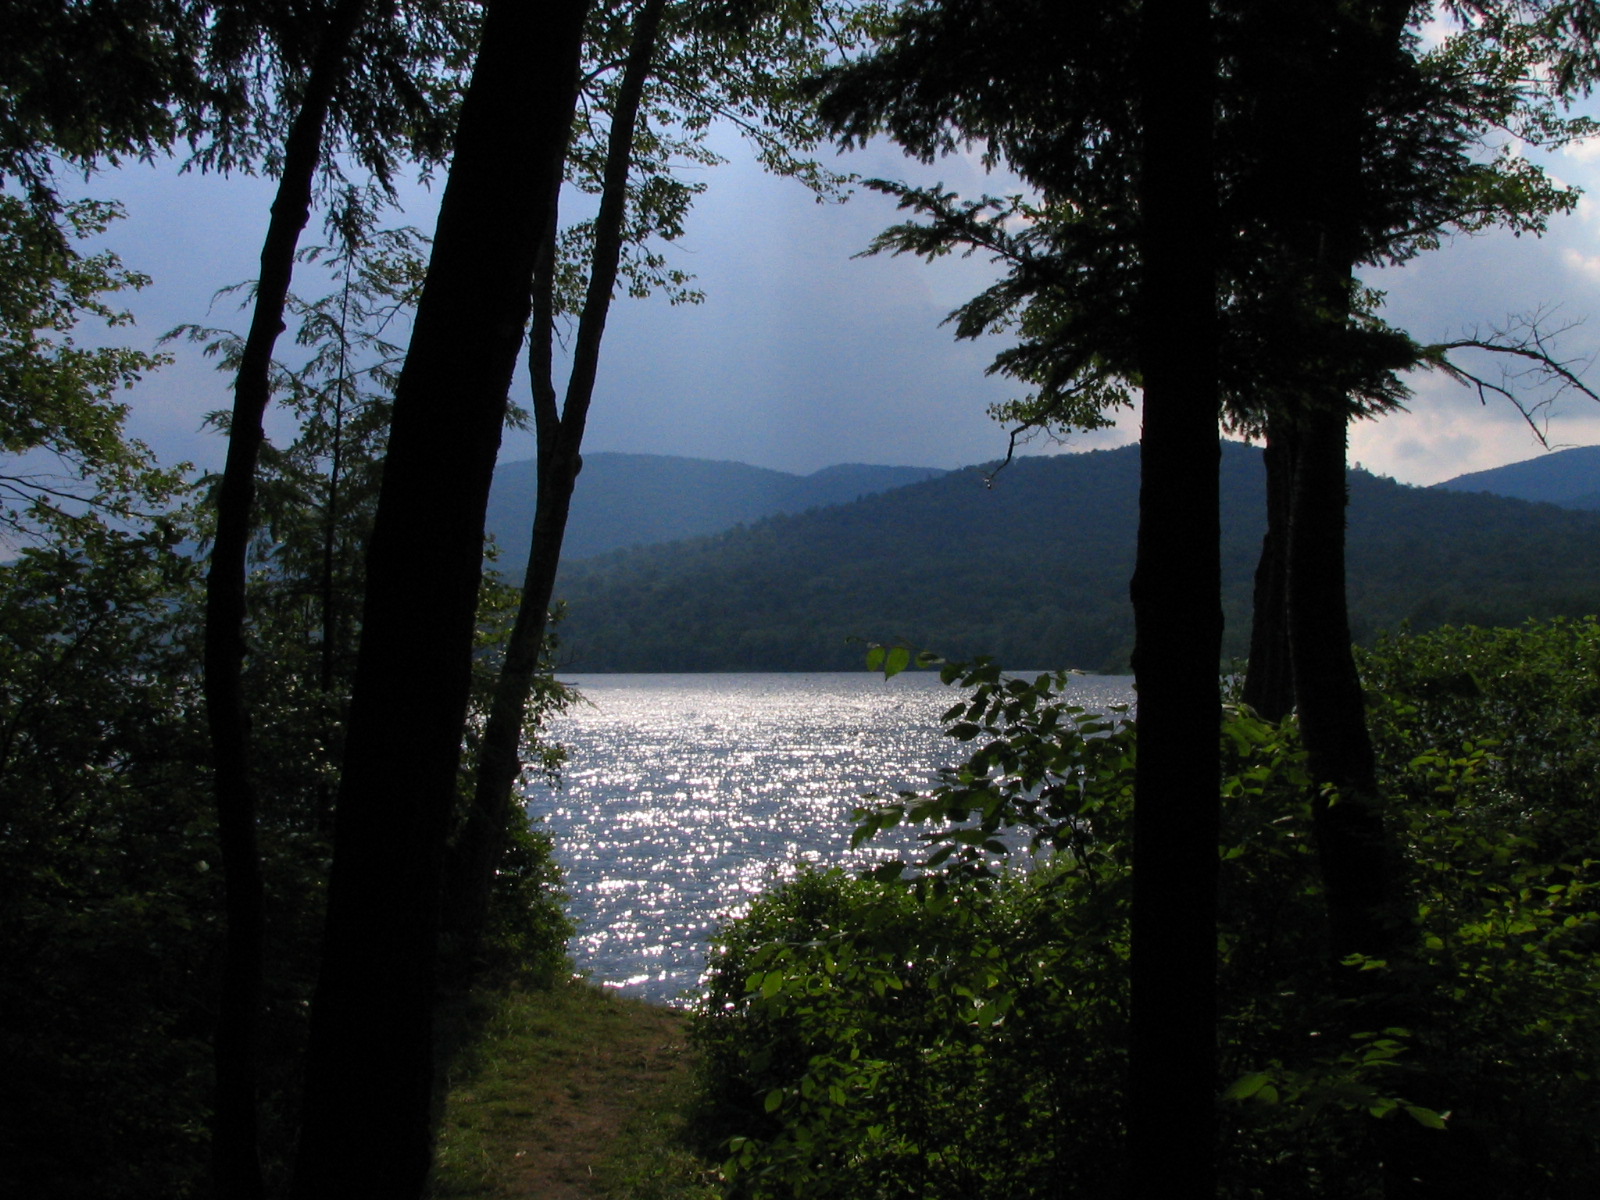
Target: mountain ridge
[[1568, 478], [638, 499], [1035, 571]]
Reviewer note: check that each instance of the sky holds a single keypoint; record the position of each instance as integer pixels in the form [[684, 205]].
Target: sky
[[804, 355]]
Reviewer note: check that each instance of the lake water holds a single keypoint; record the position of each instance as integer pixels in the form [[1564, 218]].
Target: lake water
[[685, 795]]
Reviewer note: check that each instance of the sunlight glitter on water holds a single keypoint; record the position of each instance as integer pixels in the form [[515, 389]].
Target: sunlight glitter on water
[[685, 795]]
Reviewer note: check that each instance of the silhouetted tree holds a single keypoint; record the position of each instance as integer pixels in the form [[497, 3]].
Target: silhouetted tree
[[1176, 589], [369, 1071]]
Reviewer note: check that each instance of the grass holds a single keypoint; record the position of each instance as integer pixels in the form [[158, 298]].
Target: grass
[[572, 1093]]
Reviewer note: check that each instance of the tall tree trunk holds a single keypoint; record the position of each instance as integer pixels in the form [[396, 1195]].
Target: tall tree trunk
[[366, 1122], [1269, 675], [1357, 45], [1358, 862], [1176, 592], [560, 435], [235, 1156], [1352, 848]]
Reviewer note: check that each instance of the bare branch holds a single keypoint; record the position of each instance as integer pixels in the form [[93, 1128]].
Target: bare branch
[[1533, 374]]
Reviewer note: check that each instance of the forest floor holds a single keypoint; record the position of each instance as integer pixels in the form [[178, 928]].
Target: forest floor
[[572, 1094]]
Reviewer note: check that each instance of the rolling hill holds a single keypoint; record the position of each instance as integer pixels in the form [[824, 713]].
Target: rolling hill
[[1034, 571], [1569, 478]]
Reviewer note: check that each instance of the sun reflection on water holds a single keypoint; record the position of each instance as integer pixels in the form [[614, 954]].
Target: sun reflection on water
[[685, 795]]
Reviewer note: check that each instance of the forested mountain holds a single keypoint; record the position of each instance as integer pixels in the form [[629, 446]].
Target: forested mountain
[[1035, 570], [636, 499], [1570, 478]]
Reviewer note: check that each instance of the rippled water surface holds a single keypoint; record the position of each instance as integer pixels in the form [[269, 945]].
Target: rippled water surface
[[686, 794]]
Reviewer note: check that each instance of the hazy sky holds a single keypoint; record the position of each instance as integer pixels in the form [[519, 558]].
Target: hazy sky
[[803, 355]]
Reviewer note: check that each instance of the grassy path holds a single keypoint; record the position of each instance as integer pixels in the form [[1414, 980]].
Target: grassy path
[[572, 1093]]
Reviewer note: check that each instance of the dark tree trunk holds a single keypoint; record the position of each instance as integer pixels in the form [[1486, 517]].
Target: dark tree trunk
[[366, 1123], [235, 1156], [1269, 676], [560, 434], [1357, 45], [1176, 591], [1351, 845], [1358, 862]]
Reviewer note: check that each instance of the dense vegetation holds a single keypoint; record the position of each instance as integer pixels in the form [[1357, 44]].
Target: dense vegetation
[[110, 906], [1035, 570], [957, 1026]]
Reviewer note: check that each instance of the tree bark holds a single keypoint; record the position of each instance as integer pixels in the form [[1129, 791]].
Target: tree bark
[[1178, 624], [1352, 848], [1353, 851], [1269, 675], [234, 1136], [366, 1122], [560, 436]]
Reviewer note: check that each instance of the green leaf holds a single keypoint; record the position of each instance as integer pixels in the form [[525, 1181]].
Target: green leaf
[[1426, 1116], [1247, 1086]]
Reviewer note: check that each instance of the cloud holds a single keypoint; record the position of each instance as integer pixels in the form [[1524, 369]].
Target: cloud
[[1587, 265]]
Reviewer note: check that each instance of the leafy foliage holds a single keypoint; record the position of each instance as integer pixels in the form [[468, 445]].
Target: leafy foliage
[[106, 894], [955, 1026], [1047, 94], [57, 398]]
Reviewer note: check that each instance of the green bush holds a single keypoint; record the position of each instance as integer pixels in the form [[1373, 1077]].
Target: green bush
[[955, 1027]]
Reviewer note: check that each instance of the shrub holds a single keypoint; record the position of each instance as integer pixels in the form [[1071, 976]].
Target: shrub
[[955, 1027]]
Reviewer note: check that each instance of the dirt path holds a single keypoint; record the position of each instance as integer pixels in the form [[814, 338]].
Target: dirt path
[[565, 1082]]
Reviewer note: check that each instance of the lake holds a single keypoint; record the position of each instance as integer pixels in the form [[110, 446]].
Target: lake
[[685, 795]]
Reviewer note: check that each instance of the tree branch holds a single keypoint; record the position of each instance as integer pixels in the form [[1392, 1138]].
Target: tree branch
[[1534, 364]]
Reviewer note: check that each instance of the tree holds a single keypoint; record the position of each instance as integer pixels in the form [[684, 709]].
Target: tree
[[235, 1136], [560, 434], [1176, 589], [1123, 159], [1404, 132], [683, 69], [1300, 345], [318, 85], [369, 1071], [57, 398]]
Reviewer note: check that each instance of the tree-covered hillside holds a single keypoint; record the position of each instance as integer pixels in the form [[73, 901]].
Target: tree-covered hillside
[[1034, 570]]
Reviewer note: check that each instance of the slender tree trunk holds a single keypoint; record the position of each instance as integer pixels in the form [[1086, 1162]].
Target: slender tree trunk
[[366, 1122], [235, 1157], [1176, 592], [1269, 677], [482, 840], [333, 624]]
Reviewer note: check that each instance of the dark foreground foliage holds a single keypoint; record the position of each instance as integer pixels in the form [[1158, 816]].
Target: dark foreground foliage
[[956, 1027], [110, 890]]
